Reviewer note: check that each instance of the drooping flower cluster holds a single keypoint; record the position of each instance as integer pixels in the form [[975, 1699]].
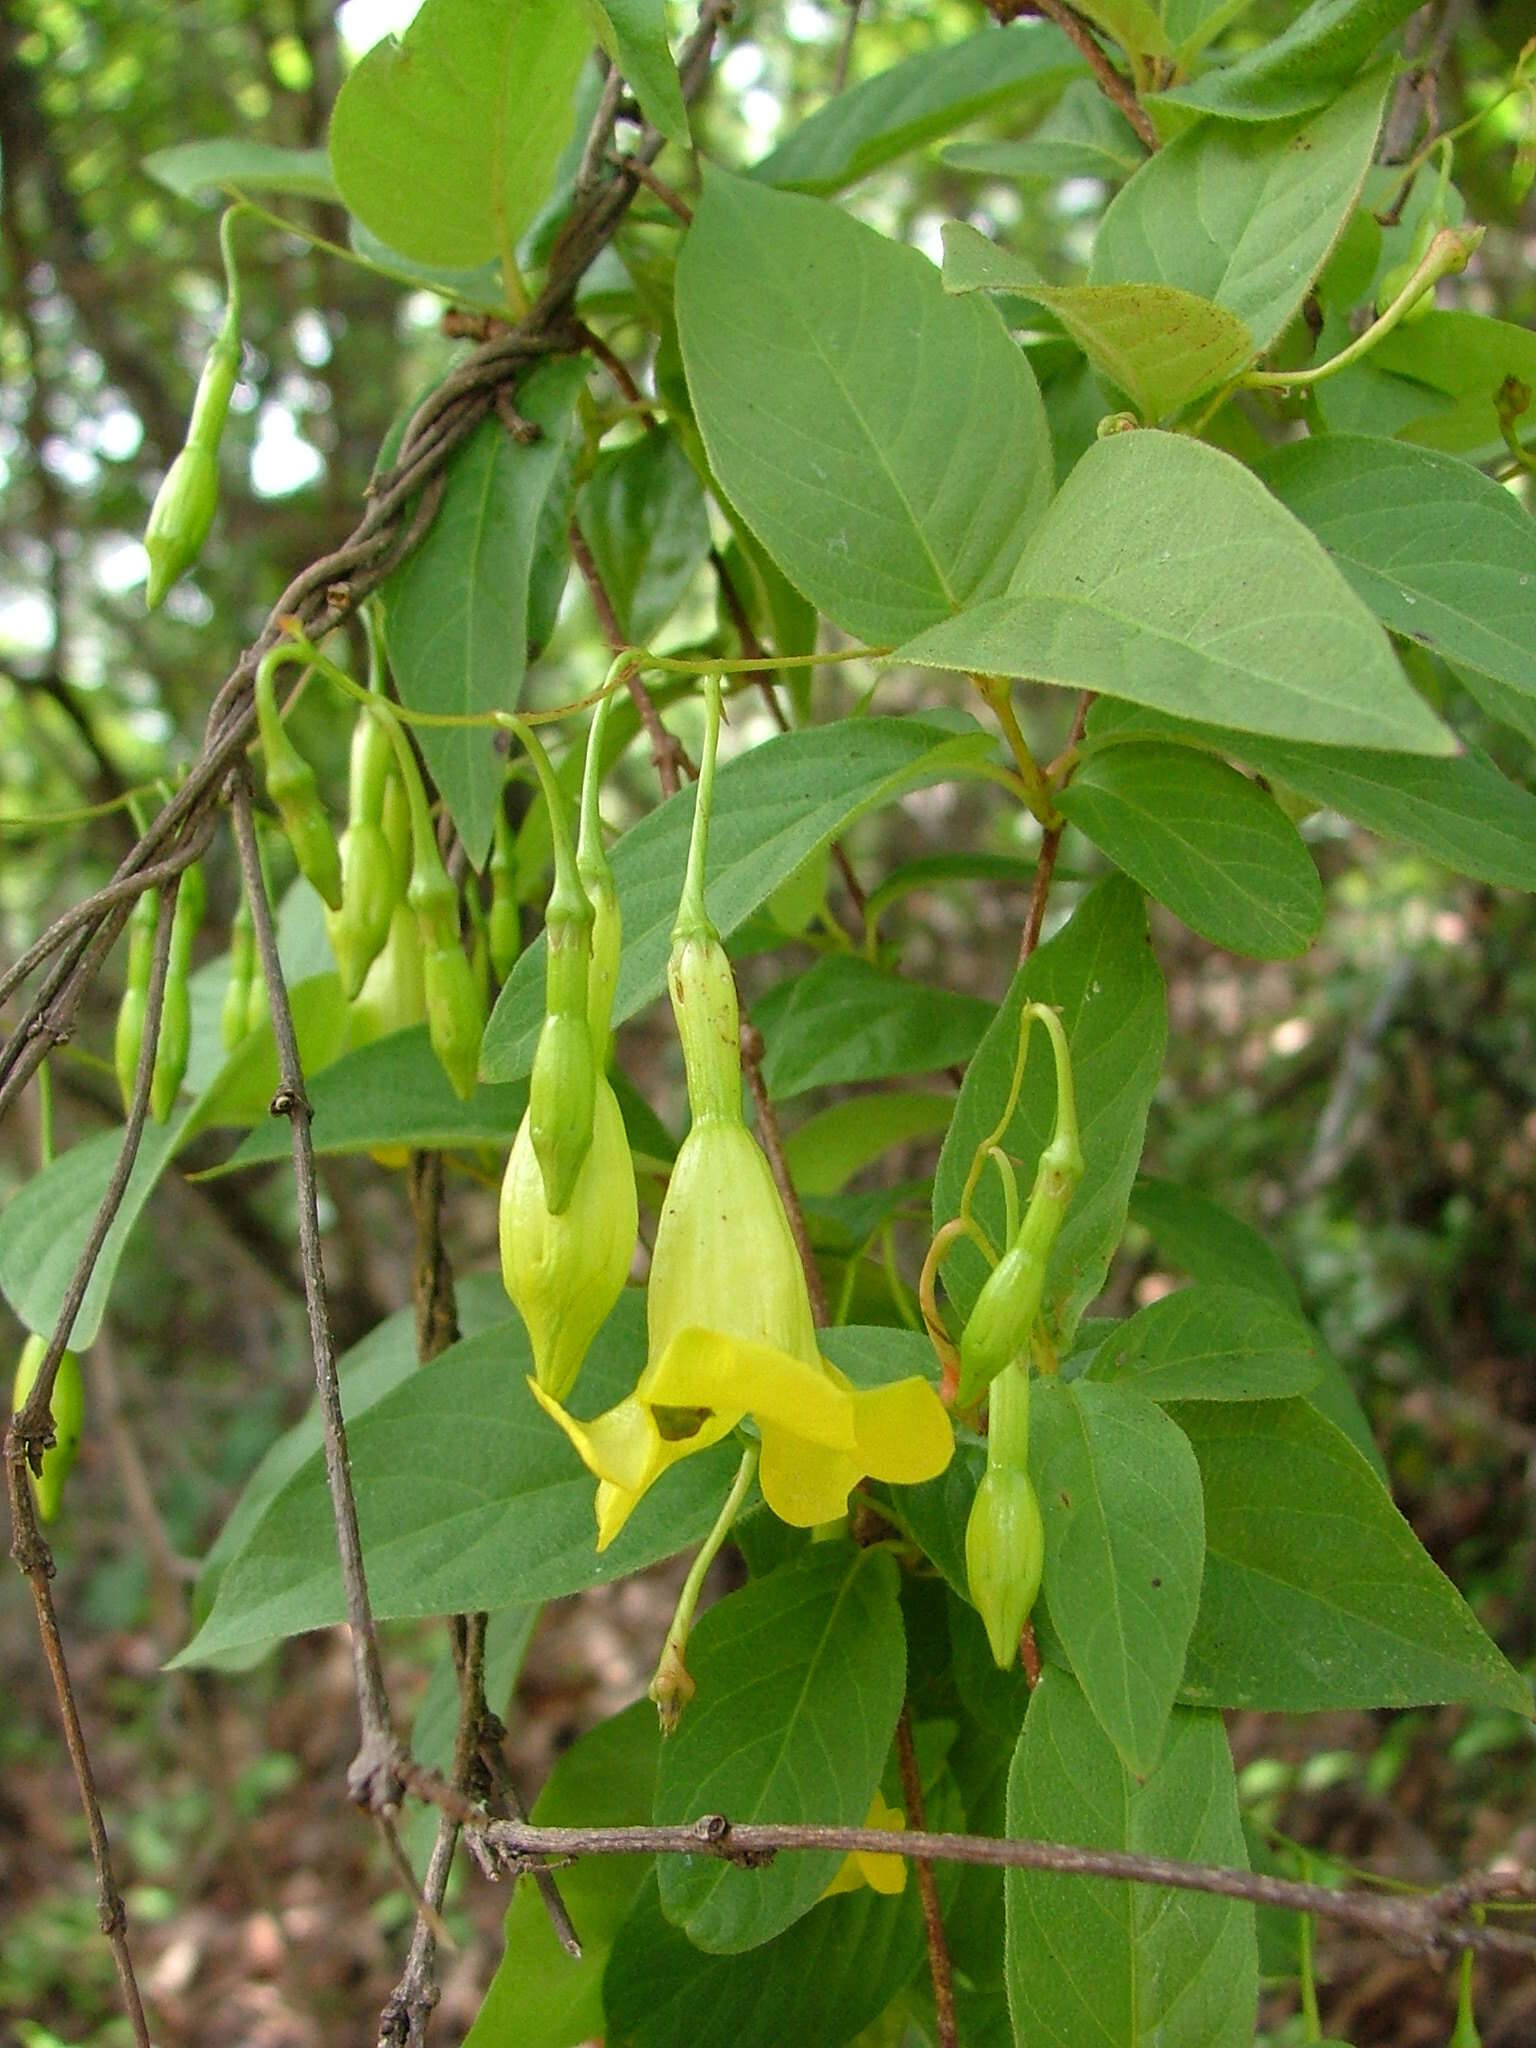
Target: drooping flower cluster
[[730, 1334]]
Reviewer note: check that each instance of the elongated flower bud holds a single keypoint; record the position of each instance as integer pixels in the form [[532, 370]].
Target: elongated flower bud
[[174, 1045], [565, 1272], [358, 930], [291, 786], [455, 1014], [394, 993], [242, 967], [67, 1407], [132, 1011], [180, 519], [1004, 1556]]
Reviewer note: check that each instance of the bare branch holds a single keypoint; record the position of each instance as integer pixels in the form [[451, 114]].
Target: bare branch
[[1427, 1925], [374, 1779]]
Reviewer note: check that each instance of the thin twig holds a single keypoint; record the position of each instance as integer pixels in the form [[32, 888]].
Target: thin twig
[[1426, 1925], [940, 1969], [432, 1288], [1050, 846], [31, 1431], [674, 202], [773, 1146], [1116, 88], [668, 757], [374, 1778]]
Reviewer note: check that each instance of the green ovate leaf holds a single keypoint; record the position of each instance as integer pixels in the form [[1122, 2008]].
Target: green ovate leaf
[[773, 807], [800, 1678], [1453, 365], [885, 442], [1092, 1962], [230, 164], [1204, 840], [1317, 1593], [1245, 216], [1305, 67], [1166, 574], [467, 1497], [847, 1020], [44, 1226], [642, 514], [456, 611], [1213, 1247], [634, 33], [373, 1367], [1162, 346], [821, 1980], [1119, 1495], [1100, 973], [921, 98], [1462, 812], [540, 1997], [1081, 137], [828, 1149], [1211, 1342], [393, 1092], [444, 141], [1439, 552]]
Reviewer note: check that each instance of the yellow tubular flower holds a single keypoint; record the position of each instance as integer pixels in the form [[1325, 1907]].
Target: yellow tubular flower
[[886, 1874], [729, 1327]]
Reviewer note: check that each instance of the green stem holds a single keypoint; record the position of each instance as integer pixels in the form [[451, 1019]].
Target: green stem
[[591, 858], [672, 1688], [45, 1114], [692, 917], [1448, 252], [568, 899]]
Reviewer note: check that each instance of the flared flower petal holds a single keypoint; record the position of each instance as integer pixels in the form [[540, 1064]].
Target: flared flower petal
[[886, 1874], [709, 1369], [626, 1450]]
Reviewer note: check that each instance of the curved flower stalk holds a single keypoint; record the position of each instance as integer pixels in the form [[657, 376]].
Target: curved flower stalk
[[730, 1334]]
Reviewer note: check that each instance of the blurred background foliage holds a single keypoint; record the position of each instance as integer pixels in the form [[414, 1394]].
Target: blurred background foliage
[[1372, 1106]]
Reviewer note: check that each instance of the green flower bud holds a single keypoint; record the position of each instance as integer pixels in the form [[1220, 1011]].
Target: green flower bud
[[132, 1013], [370, 767], [174, 1045], [242, 967], [172, 1049], [291, 786], [455, 1014], [68, 1410], [179, 519], [562, 1094], [565, 1272], [395, 820], [394, 994], [998, 1328], [359, 929], [1004, 1555]]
